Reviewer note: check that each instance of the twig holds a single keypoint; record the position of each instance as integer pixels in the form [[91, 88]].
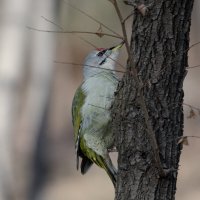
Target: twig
[[141, 99], [193, 45], [97, 21], [127, 17], [196, 108], [86, 41], [194, 136], [184, 139], [192, 67], [77, 64], [51, 22], [72, 32], [122, 25], [61, 28]]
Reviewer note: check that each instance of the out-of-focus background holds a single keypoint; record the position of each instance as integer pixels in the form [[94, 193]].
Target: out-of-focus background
[[37, 156]]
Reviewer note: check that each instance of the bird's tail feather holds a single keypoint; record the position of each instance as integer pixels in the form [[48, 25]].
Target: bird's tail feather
[[85, 165], [107, 165], [112, 175]]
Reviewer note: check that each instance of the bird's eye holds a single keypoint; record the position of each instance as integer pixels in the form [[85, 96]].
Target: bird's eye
[[101, 53]]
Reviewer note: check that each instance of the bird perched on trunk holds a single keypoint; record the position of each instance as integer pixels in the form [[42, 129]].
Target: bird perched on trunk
[[91, 111]]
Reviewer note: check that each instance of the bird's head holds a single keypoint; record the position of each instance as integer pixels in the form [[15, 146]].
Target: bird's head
[[101, 59]]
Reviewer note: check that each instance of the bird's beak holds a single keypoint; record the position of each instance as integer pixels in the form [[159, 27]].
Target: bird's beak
[[115, 48]]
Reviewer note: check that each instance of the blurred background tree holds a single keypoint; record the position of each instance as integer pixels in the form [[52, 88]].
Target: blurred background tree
[[37, 157]]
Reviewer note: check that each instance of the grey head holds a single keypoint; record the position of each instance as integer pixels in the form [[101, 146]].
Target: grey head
[[100, 60]]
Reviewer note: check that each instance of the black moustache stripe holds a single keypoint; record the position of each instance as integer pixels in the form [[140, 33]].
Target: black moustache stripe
[[102, 62]]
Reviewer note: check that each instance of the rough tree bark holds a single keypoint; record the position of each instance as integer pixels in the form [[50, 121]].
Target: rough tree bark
[[159, 45]]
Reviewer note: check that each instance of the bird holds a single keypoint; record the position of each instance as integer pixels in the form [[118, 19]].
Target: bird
[[91, 116]]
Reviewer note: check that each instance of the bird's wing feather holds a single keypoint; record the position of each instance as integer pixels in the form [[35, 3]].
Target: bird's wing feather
[[77, 118], [77, 104], [102, 161]]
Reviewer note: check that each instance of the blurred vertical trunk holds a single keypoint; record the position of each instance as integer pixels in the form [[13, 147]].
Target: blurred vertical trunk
[[23, 100], [12, 50], [36, 100]]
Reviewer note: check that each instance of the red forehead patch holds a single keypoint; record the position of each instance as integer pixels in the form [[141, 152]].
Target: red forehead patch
[[100, 49]]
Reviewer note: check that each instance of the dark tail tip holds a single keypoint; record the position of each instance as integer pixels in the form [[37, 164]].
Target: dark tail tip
[[85, 165], [113, 176]]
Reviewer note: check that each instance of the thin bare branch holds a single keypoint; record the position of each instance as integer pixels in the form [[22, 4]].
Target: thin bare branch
[[97, 21], [61, 28], [77, 64], [184, 139], [86, 41], [193, 136], [196, 108], [122, 26], [72, 32], [193, 45], [51, 22], [192, 67], [127, 17]]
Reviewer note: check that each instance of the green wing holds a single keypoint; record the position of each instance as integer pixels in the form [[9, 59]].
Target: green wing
[[77, 104], [103, 162]]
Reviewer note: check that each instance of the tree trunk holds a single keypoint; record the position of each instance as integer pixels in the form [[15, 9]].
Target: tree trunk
[[26, 69], [159, 45], [13, 42]]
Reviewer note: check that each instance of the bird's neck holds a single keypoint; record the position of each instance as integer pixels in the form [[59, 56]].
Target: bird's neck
[[90, 72]]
